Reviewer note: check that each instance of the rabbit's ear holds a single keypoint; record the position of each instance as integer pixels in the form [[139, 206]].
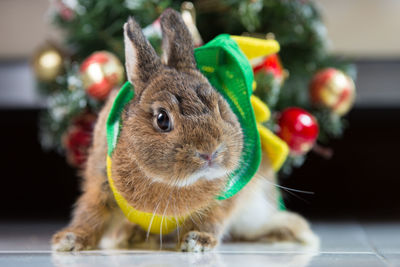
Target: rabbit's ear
[[140, 58], [177, 41]]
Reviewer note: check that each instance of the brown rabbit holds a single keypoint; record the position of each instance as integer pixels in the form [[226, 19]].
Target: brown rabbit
[[178, 143]]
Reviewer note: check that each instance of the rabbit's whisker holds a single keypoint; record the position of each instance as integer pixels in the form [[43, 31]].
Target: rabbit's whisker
[[151, 221], [288, 190]]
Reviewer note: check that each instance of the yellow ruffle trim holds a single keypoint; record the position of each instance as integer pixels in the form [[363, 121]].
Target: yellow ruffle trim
[[153, 223]]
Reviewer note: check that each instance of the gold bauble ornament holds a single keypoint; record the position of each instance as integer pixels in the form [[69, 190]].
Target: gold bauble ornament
[[100, 72], [48, 63], [331, 88]]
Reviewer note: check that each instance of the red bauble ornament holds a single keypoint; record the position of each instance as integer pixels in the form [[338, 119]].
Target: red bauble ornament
[[78, 138], [299, 129], [100, 72], [332, 89], [270, 64]]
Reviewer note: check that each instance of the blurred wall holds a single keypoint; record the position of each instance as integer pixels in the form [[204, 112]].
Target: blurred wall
[[357, 28], [24, 25], [363, 28]]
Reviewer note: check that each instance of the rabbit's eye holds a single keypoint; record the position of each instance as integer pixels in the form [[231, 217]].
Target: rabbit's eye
[[163, 121]]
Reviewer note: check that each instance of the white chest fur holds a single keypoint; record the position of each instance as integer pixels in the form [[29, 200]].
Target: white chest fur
[[254, 211]]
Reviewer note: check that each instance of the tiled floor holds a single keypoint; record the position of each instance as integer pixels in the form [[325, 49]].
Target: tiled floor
[[343, 243]]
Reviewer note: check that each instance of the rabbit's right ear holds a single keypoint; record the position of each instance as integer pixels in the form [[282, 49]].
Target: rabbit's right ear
[[177, 41], [140, 58]]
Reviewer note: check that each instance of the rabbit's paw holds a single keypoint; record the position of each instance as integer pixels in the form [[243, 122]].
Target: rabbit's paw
[[195, 241], [69, 241]]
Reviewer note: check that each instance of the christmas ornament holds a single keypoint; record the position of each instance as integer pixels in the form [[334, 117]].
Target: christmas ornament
[[78, 138], [268, 72], [333, 89], [100, 72], [270, 64], [48, 63], [299, 129]]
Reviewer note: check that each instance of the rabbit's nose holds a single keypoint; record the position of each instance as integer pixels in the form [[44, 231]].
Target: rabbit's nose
[[208, 157]]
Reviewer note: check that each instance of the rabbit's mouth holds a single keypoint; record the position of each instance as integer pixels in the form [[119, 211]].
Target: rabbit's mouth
[[207, 173]]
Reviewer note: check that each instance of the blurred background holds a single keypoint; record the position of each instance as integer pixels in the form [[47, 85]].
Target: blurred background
[[361, 179]]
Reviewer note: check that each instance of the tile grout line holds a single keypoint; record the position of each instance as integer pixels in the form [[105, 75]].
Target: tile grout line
[[376, 250], [136, 252]]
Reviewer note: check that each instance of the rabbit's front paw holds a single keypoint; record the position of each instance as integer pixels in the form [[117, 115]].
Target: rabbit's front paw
[[69, 241], [195, 241]]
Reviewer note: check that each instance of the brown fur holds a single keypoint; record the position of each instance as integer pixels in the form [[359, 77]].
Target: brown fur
[[147, 163]]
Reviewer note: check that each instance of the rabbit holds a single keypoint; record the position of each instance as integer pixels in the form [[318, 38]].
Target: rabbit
[[178, 143]]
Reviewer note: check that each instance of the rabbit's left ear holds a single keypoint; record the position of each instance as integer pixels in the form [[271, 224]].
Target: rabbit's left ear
[[177, 41], [140, 58]]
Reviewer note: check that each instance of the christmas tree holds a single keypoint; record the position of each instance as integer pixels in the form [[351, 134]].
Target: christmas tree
[[77, 75]]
